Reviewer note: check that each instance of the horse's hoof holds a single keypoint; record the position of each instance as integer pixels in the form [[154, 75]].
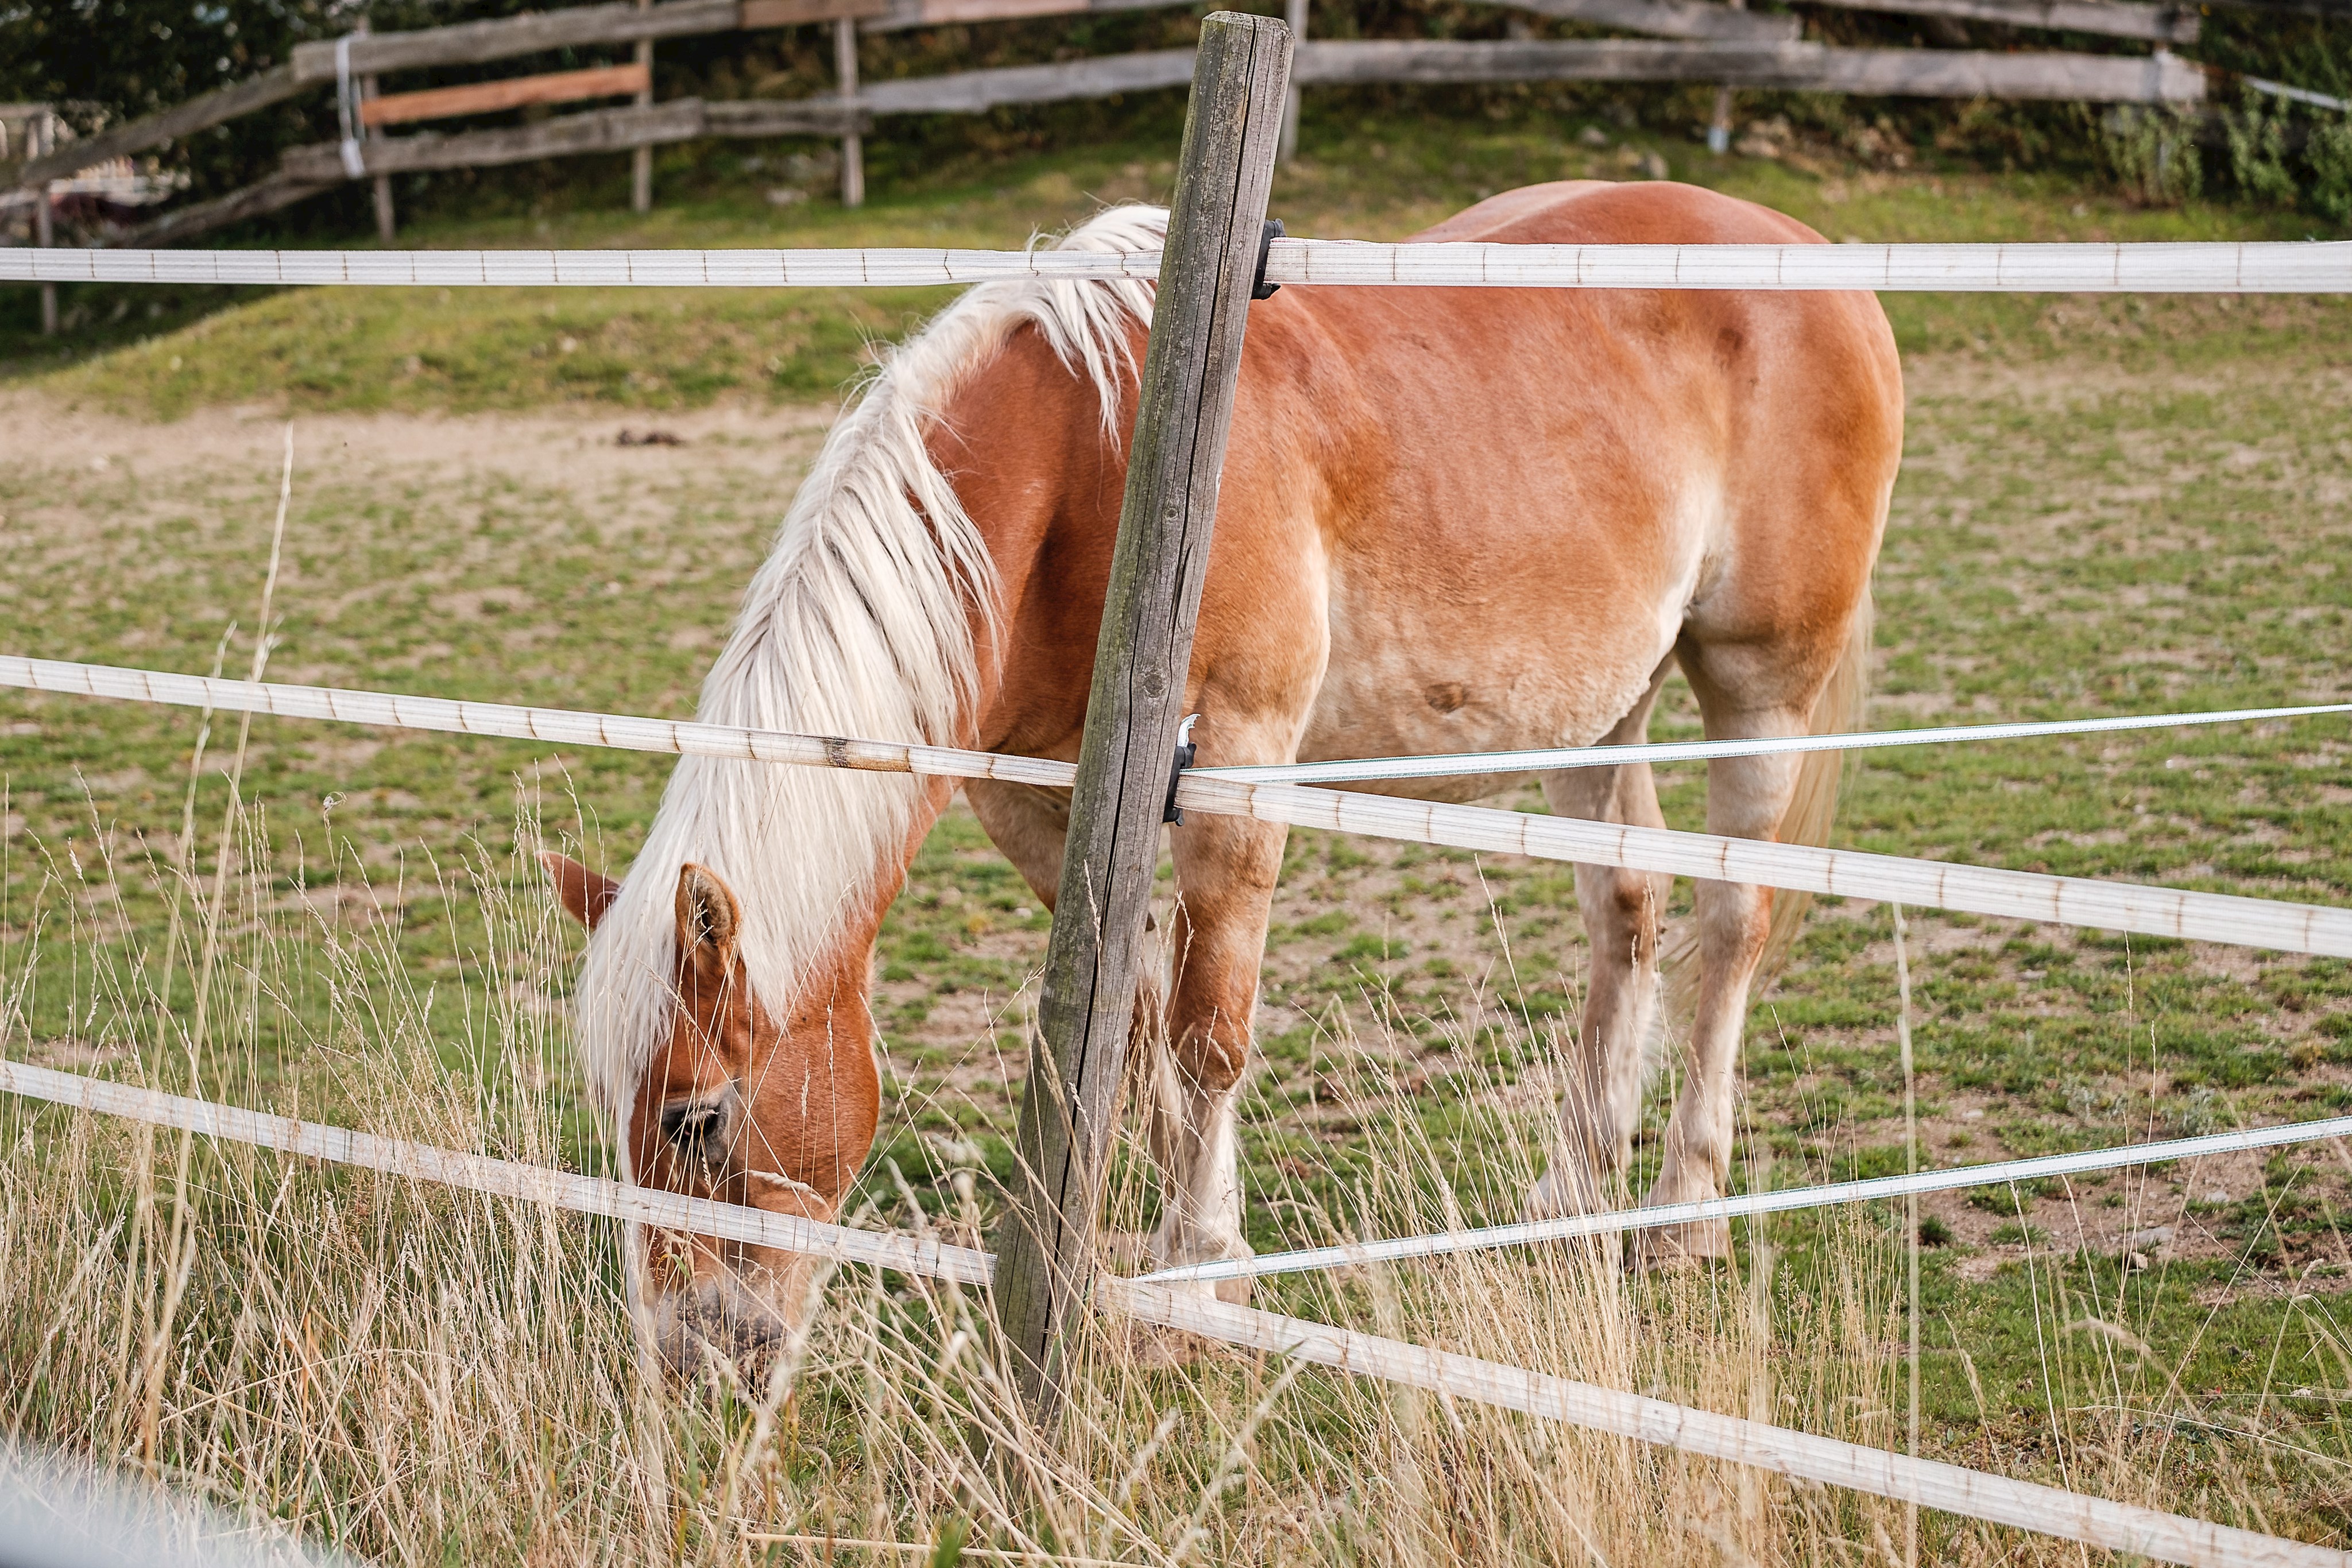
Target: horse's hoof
[[1548, 1199], [1681, 1246]]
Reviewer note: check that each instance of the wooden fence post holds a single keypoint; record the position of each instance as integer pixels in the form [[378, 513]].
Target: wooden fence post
[[1044, 1259], [1295, 12], [853, 145], [641, 161], [387, 229], [44, 225]]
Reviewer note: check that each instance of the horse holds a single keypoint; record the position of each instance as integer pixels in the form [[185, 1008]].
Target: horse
[[1451, 519]]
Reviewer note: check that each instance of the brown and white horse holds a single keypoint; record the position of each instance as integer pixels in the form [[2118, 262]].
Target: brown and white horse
[[1450, 520]]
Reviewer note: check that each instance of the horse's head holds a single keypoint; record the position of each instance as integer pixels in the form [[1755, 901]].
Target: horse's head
[[736, 1104]]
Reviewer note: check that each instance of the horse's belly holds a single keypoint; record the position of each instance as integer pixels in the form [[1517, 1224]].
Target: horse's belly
[[1431, 689]]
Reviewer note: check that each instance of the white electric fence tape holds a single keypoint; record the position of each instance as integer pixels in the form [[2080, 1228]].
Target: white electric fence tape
[[499, 1178], [2120, 1527], [1526, 1232], [1473, 764], [1972, 1494], [1977, 890], [2269, 266]]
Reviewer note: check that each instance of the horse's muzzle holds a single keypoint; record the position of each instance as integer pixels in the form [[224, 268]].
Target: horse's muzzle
[[716, 1317]]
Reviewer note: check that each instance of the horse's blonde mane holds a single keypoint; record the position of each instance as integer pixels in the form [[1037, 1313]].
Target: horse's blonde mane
[[860, 624]]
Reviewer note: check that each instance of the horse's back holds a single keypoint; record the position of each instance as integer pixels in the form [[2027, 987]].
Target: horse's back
[[1605, 212], [1524, 496]]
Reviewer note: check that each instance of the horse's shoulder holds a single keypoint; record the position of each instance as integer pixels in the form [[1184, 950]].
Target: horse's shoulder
[[1603, 212]]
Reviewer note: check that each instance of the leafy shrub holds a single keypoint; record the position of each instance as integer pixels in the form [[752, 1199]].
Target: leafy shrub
[[2152, 154]]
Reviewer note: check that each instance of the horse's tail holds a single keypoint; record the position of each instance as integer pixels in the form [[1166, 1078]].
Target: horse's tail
[[1811, 809]]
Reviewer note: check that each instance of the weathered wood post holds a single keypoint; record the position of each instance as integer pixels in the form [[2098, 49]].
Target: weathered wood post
[[1044, 1258], [641, 161], [1295, 12], [853, 144], [44, 225]]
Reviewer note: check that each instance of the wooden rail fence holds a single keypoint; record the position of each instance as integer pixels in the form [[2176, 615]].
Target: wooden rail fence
[[1683, 41]]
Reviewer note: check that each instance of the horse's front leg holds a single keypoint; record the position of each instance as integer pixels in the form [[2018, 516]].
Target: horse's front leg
[[1225, 873]]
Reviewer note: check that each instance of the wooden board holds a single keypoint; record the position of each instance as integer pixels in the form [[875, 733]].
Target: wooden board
[[1671, 18], [1919, 73], [794, 13], [2113, 18], [896, 15], [533, 32], [765, 117], [488, 97], [969, 92], [199, 113], [599, 130], [184, 224]]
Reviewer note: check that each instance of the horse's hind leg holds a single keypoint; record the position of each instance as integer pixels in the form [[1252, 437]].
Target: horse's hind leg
[[1624, 912], [1747, 797]]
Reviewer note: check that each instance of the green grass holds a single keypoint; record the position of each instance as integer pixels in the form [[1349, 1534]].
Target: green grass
[[461, 350], [2107, 506]]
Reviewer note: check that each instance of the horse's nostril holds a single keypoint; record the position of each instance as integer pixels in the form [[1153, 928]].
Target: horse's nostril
[[693, 1127]]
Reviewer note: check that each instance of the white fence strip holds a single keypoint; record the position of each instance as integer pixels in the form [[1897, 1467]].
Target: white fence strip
[[558, 727], [2120, 1527], [499, 1178], [882, 267], [2278, 266], [1977, 890], [1932, 884], [2268, 266], [1973, 1494], [1473, 764], [1870, 1190]]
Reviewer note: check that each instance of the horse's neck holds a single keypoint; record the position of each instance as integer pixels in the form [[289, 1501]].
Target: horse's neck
[[1042, 484]]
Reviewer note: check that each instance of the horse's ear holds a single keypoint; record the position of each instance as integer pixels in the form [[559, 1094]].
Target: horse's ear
[[707, 920], [585, 893]]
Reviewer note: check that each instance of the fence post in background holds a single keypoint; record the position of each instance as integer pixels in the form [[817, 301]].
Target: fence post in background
[[44, 226], [1044, 1258], [1718, 127], [1294, 12], [386, 230], [641, 161], [853, 145]]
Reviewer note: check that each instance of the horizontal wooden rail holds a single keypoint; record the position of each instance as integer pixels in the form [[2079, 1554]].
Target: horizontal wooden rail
[[970, 92], [489, 97], [533, 32], [199, 113], [897, 15], [1916, 73], [1661, 18], [599, 130], [2112, 18], [759, 117], [262, 197], [1671, 18], [2096, 78], [794, 13]]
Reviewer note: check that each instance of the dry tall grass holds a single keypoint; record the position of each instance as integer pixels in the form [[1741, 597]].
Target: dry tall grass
[[420, 1376]]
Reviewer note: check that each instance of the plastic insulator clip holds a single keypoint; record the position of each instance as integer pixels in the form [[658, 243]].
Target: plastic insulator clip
[[1185, 752], [1259, 288]]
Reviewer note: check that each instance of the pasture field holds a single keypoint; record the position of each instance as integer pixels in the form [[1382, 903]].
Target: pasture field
[[2107, 506]]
